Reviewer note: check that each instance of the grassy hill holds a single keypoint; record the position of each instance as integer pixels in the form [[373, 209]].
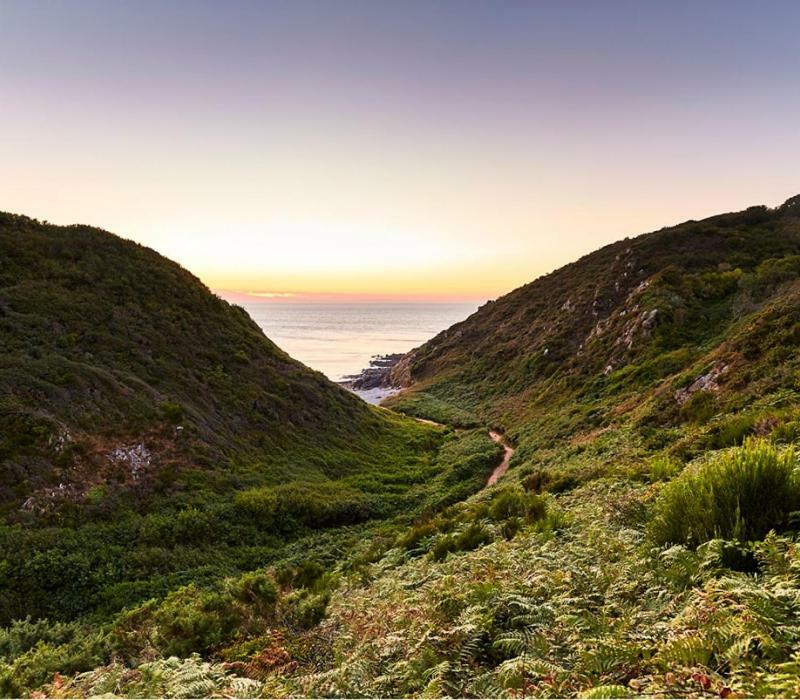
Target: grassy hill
[[108, 346], [630, 324], [643, 542], [152, 437]]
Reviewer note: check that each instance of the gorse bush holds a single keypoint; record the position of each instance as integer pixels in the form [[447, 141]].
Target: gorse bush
[[23, 635], [514, 502], [742, 494], [733, 430], [473, 536]]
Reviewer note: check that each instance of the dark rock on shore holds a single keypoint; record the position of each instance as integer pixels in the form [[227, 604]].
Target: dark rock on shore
[[377, 375]]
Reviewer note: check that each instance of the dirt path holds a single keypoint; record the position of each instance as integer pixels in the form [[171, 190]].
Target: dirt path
[[508, 451], [429, 422]]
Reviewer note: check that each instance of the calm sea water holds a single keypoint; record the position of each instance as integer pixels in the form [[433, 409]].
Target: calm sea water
[[340, 339]]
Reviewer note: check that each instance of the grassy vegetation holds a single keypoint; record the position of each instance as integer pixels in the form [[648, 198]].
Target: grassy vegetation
[[643, 542], [428, 407], [741, 494], [155, 446]]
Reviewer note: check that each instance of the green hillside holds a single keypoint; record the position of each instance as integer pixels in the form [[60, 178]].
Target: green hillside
[[712, 298], [106, 344], [152, 437], [643, 542]]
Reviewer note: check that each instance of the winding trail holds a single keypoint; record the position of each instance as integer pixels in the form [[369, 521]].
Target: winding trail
[[508, 452]]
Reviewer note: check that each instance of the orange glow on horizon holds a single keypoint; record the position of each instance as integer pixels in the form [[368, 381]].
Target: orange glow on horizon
[[453, 150], [240, 298]]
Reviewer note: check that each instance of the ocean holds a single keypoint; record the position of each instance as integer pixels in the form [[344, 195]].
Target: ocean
[[339, 339]]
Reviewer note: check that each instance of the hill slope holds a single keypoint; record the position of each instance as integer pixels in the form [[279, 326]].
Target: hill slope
[[106, 346], [150, 435], [654, 313], [644, 540]]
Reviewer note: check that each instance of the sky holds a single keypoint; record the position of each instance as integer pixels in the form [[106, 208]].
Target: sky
[[377, 149]]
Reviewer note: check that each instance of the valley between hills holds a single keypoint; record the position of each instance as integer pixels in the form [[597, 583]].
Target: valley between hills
[[588, 488]]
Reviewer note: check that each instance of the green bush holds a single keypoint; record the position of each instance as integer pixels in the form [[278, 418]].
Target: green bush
[[315, 505], [255, 588], [429, 407], [699, 407], [786, 432], [442, 547], [508, 504], [22, 635], [412, 537], [303, 575], [510, 528], [192, 620], [541, 480], [742, 494], [733, 430], [473, 536], [515, 503], [173, 412], [39, 663], [663, 468], [537, 481], [307, 608]]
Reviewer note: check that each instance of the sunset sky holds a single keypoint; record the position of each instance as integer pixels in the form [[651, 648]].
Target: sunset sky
[[430, 149]]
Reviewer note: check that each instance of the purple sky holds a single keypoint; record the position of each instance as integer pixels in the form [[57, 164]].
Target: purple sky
[[456, 148]]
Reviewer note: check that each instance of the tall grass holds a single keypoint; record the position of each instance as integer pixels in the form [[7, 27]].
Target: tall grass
[[742, 494]]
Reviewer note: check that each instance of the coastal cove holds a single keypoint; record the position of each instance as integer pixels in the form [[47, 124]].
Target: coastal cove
[[433, 350], [341, 339]]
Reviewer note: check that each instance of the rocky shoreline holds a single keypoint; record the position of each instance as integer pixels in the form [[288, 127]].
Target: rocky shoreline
[[375, 383], [378, 374]]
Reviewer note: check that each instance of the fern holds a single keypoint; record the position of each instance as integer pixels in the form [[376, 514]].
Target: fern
[[608, 691], [686, 651]]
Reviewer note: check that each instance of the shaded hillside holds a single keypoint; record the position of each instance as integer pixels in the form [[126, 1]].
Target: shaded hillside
[[151, 436], [638, 315], [106, 346]]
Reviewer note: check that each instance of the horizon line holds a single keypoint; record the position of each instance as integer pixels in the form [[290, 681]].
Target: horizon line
[[283, 297]]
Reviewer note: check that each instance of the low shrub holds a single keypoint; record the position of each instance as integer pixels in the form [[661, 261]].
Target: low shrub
[[471, 537], [22, 635], [742, 494], [733, 430], [38, 666], [699, 407], [537, 481], [316, 505], [542, 480], [307, 608], [173, 412], [510, 528], [414, 535], [663, 468], [191, 620], [429, 407], [515, 503], [302, 575], [786, 432], [255, 588], [509, 503]]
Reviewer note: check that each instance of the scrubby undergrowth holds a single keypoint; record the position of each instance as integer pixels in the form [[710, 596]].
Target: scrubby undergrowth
[[643, 541]]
